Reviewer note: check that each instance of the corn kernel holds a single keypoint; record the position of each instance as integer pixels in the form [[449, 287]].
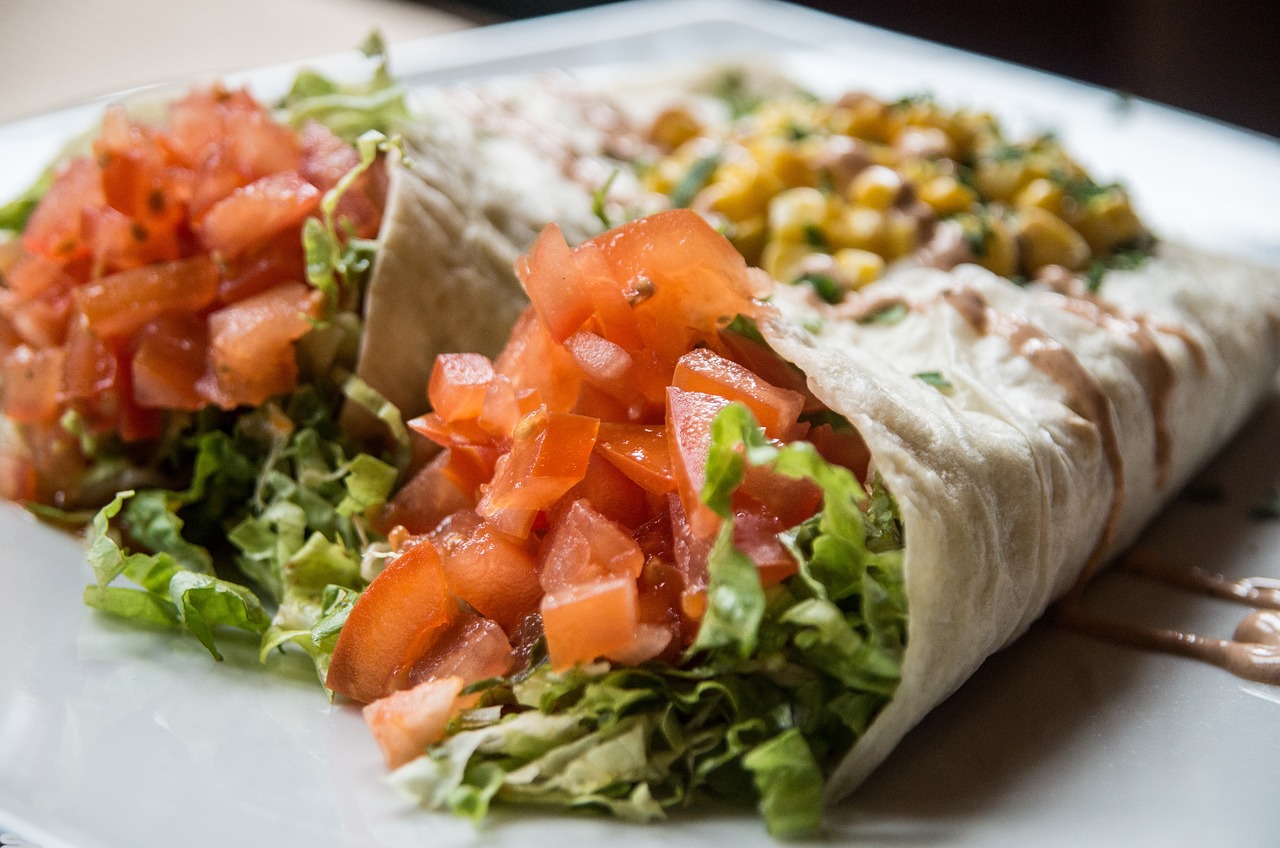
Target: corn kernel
[[749, 237], [876, 187], [741, 189], [1041, 192], [1045, 239], [856, 226], [947, 195], [1000, 250], [673, 127], [1000, 179], [782, 260], [858, 267], [902, 234], [795, 212], [1109, 221]]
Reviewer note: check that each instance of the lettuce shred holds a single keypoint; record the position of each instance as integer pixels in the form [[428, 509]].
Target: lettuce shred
[[781, 681], [276, 492]]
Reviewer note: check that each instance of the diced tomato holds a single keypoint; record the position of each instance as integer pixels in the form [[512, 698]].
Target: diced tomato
[[602, 363], [474, 648], [18, 481], [609, 492], [121, 243], [691, 552], [251, 345], [585, 547], [34, 274], [843, 447], [258, 211], [534, 361], [789, 499], [169, 361], [589, 620], [41, 322], [121, 303], [459, 384], [756, 535], [91, 364], [258, 144], [640, 452], [549, 455], [404, 723], [325, 159], [278, 260], [57, 226], [689, 417], [647, 642], [555, 289], [493, 572], [395, 621], [32, 381], [690, 288], [775, 409], [427, 499]]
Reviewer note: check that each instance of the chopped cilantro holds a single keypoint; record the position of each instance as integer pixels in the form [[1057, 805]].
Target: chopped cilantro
[[935, 379], [890, 313], [824, 285], [814, 237], [694, 181]]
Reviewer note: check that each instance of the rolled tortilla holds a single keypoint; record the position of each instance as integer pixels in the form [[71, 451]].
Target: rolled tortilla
[[483, 170], [1070, 420]]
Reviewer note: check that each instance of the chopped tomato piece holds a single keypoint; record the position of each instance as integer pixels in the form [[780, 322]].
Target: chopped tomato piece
[[488, 569], [585, 547], [775, 409], [258, 211], [251, 345], [756, 535], [121, 303], [689, 417], [791, 500], [404, 723], [395, 621], [459, 385], [35, 274], [427, 499], [555, 289], [32, 381], [691, 552], [534, 361], [279, 260], [609, 492], [57, 227], [91, 364], [548, 456], [18, 481], [473, 648], [589, 620], [841, 447], [169, 361], [640, 452]]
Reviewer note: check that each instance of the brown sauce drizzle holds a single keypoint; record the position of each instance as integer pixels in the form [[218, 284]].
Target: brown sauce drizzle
[[1253, 651], [1085, 397]]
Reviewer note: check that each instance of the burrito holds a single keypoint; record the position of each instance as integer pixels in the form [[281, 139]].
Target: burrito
[[693, 531]]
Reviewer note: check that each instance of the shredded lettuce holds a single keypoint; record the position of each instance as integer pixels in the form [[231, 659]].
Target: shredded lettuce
[[781, 681], [275, 491], [349, 109]]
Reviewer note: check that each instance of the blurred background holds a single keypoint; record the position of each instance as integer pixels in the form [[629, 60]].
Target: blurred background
[[1214, 57]]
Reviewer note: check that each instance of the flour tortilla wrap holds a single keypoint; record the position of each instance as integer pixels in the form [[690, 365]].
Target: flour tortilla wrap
[[482, 171], [1006, 491]]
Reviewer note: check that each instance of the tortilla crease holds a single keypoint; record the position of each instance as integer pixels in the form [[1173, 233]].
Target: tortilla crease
[[1004, 490]]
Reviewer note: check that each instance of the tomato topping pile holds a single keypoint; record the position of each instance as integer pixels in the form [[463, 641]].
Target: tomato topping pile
[[165, 271], [566, 502]]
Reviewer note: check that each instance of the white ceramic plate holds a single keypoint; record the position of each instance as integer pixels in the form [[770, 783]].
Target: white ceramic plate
[[120, 737]]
